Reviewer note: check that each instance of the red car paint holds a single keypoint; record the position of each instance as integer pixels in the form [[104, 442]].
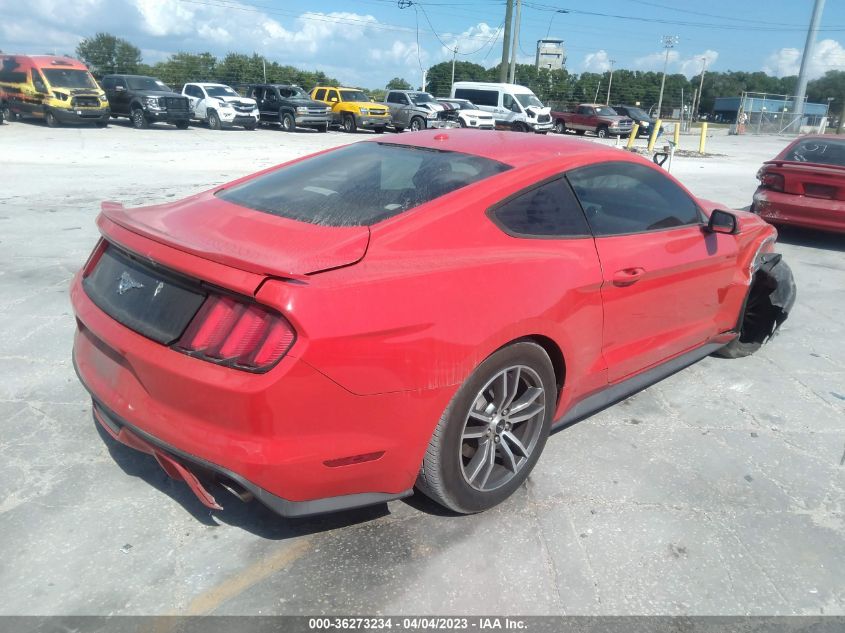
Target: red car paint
[[805, 193], [401, 314]]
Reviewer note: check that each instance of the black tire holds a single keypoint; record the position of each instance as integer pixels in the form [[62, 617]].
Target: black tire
[[50, 119], [349, 124], [602, 132], [139, 120], [462, 122], [417, 124], [378, 130], [560, 127], [443, 477], [323, 128], [251, 126], [5, 113], [288, 122], [214, 120], [398, 130], [182, 125]]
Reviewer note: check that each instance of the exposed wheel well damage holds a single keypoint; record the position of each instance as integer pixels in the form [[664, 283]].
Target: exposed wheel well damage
[[769, 301]]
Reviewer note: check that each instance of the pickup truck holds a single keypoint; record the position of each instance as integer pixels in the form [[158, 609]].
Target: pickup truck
[[352, 109], [290, 106], [413, 110], [220, 106], [600, 119], [145, 100]]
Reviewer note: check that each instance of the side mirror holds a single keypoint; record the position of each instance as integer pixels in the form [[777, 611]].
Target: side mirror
[[333, 100], [722, 222]]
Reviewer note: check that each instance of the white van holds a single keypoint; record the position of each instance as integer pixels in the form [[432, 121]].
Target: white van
[[514, 107]]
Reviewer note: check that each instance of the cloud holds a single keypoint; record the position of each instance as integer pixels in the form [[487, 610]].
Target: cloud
[[688, 66], [827, 55], [475, 40], [597, 62]]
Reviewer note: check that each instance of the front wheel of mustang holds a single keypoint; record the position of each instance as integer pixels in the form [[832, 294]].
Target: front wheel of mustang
[[492, 432]]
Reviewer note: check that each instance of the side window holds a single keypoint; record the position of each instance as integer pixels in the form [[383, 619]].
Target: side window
[[108, 83], [258, 94], [550, 210], [320, 95], [286, 93], [270, 94], [509, 103], [38, 81], [331, 95], [120, 82], [393, 97], [620, 198], [195, 91], [585, 110]]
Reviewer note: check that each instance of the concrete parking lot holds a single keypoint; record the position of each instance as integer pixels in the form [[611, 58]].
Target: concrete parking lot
[[717, 491]]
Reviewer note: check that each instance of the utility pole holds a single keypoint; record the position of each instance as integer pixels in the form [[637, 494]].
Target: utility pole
[[610, 82], [596, 97], [697, 104], [264, 68], [515, 42], [669, 42], [806, 58], [454, 55], [506, 43]]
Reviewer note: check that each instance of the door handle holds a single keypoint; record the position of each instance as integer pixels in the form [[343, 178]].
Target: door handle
[[627, 276]]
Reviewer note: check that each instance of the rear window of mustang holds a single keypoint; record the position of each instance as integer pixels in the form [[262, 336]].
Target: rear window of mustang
[[818, 151], [361, 184]]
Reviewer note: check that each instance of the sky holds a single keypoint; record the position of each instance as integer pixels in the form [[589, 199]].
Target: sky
[[367, 42]]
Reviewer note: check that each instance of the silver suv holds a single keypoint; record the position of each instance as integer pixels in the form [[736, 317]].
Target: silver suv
[[413, 109]]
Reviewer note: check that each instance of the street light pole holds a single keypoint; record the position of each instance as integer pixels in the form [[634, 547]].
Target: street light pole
[[610, 82], [700, 88], [669, 42]]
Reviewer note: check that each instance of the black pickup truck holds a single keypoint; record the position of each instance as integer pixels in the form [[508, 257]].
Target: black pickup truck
[[289, 105], [145, 100]]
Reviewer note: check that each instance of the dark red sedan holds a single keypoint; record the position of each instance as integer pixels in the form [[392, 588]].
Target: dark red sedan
[[804, 185], [339, 330]]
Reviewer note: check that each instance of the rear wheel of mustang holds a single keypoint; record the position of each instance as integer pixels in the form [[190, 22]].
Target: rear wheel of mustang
[[492, 432]]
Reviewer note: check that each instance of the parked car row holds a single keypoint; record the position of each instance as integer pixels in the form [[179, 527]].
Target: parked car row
[[604, 121]]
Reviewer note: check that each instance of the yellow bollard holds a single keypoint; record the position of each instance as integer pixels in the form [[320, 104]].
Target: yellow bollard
[[677, 137], [703, 139], [632, 136], [653, 137]]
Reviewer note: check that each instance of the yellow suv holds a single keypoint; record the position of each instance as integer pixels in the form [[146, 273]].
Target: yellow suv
[[352, 109]]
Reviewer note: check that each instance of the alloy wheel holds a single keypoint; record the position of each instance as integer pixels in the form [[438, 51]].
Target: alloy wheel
[[502, 428]]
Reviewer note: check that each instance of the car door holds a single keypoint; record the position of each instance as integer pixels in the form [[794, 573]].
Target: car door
[[583, 116], [333, 99], [196, 96], [118, 96], [664, 276]]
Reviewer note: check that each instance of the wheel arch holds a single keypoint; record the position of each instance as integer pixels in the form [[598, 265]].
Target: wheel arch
[[552, 349]]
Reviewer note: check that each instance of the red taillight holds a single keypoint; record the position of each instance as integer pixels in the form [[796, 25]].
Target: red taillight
[[244, 335], [770, 180]]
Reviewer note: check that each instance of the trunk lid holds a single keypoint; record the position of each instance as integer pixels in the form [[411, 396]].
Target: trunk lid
[[252, 241], [810, 179]]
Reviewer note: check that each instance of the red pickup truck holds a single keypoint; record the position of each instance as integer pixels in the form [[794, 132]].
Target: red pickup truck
[[600, 119]]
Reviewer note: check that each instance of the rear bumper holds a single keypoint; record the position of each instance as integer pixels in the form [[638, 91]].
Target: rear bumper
[[797, 210], [278, 435], [199, 469]]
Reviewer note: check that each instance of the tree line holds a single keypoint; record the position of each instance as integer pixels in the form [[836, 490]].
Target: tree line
[[104, 53]]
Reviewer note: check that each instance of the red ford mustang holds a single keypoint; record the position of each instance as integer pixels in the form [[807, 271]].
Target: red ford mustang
[[804, 185], [421, 312]]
